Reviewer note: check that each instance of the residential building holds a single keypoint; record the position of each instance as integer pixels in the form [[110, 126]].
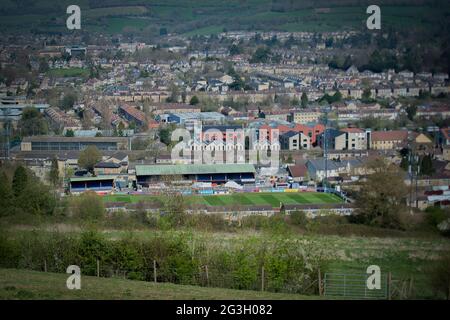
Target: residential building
[[388, 140]]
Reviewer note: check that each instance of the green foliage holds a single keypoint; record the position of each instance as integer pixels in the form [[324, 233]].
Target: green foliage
[[380, 199], [54, 173], [336, 97], [435, 215], [304, 100], [440, 277], [426, 166], [236, 49], [194, 101], [6, 195], [261, 55], [298, 218], [32, 123], [411, 112], [70, 133], [20, 181], [165, 135], [366, 96], [69, 100], [89, 157], [88, 206]]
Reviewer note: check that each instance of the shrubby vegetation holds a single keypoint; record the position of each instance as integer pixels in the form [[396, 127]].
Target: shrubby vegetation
[[289, 267], [24, 193]]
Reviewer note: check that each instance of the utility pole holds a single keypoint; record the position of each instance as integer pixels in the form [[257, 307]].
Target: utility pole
[[325, 151]]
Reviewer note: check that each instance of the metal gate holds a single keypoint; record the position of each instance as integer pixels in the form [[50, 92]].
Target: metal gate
[[354, 286]]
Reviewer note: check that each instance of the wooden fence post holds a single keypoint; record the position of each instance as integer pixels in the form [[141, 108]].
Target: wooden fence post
[[154, 271], [45, 265], [262, 278], [389, 285], [98, 268], [411, 283], [207, 275], [320, 282]]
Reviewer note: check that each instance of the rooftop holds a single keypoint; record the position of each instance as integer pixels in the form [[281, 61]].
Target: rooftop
[[183, 169]]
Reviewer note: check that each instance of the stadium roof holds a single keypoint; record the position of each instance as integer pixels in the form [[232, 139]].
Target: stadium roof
[[180, 169], [80, 179]]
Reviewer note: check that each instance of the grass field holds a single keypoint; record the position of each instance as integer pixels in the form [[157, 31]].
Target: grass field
[[26, 285], [258, 199]]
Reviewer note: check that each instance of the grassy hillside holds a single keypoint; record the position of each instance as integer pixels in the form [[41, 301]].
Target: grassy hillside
[[213, 16], [25, 284]]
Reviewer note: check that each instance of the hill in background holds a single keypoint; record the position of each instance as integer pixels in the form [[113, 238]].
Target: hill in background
[[206, 17]]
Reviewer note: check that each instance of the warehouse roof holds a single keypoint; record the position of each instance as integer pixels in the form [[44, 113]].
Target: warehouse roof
[[157, 170]]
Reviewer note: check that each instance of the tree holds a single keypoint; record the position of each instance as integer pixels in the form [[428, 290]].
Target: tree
[[32, 122], [194, 101], [88, 206], [411, 112], [174, 93], [426, 166], [404, 164], [89, 157], [366, 95], [261, 55], [6, 195], [304, 100], [165, 136], [235, 49], [68, 101], [54, 173], [20, 180], [70, 133], [380, 201]]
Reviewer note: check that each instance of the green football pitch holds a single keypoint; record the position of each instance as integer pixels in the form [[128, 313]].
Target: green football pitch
[[273, 199]]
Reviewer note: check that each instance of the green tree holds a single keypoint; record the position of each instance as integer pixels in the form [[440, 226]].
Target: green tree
[[426, 166], [165, 135], [261, 55], [366, 95], [32, 122], [6, 195], [380, 201], [88, 206], [194, 101], [89, 157], [404, 164], [235, 49], [68, 101], [411, 112], [20, 180], [70, 133], [54, 173], [304, 100]]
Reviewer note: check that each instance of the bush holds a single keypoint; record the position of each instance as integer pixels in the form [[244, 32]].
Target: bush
[[298, 218], [88, 206], [440, 277], [435, 215]]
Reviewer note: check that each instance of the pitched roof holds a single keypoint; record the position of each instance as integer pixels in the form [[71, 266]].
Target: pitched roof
[[104, 164], [180, 169], [352, 130], [393, 135], [299, 170]]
